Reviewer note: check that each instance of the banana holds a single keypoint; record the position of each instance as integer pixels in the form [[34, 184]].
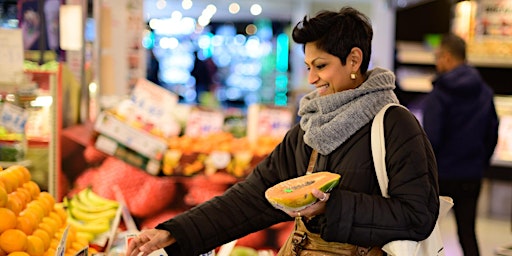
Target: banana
[[90, 216], [85, 235], [76, 202], [85, 227], [99, 200]]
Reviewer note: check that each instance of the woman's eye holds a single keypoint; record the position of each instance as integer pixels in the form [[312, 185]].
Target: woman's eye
[[320, 66]]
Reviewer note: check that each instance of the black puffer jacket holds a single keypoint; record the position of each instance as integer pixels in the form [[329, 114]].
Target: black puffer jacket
[[356, 212]]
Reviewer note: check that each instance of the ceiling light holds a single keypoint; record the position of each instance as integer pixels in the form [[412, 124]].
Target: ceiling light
[[256, 9], [234, 8], [160, 4], [186, 4]]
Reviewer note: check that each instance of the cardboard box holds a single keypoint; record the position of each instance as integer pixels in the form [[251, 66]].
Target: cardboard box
[[134, 146]]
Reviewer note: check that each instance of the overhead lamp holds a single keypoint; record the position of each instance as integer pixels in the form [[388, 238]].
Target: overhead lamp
[[234, 8], [256, 9], [71, 27]]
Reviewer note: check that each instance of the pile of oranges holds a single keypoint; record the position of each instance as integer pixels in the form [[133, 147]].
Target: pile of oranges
[[32, 223]]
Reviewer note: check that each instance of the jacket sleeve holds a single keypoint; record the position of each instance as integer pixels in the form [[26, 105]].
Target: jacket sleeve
[[492, 132], [368, 219], [241, 210]]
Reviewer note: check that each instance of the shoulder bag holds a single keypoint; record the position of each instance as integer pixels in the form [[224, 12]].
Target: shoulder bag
[[431, 246]]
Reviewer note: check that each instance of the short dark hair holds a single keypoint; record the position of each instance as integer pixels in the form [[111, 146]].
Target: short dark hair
[[337, 33], [455, 45]]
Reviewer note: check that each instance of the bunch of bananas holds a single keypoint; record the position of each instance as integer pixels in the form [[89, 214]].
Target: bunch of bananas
[[90, 213]]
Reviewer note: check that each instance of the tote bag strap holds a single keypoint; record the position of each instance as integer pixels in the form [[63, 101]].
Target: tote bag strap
[[312, 161], [379, 148]]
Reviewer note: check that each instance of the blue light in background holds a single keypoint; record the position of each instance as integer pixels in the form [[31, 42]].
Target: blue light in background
[[282, 43]]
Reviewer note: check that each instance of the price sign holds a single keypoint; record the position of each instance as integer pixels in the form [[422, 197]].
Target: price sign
[[11, 56], [268, 121], [13, 118], [203, 122], [155, 101]]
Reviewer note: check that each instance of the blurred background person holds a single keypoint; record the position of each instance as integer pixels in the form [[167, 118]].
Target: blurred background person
[[153, 68], [460, 120], [202, 76]]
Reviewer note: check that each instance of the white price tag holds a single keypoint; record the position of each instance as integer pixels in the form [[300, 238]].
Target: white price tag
[[11, 56], [154, 101], [274, 122], [13, 118], [202, 122]]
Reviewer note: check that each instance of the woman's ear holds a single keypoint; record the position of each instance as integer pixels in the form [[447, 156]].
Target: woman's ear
[[355, 58]]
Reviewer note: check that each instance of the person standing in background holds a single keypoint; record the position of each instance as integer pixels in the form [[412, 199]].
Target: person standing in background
[[202, 76], [461, 123], [153, 68]]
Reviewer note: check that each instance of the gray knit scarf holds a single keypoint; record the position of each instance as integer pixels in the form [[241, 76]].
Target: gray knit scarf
[[331, 119]]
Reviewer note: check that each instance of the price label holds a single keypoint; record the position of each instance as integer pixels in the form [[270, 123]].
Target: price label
[[268, 121], [13, 118], [274, 122], [11, 56], [203, 122], [154, 101]]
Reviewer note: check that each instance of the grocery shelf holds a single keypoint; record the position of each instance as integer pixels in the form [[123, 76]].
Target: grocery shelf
[[25, 163]]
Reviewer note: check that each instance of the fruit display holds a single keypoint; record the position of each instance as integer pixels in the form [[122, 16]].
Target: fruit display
[[219, 151], [32, 223], [295, 194], [90, 214]]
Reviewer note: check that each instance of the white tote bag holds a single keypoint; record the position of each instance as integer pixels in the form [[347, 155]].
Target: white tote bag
[[431, 246]]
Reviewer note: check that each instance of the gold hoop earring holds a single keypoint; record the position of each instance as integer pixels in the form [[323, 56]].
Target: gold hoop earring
[[353, 76]]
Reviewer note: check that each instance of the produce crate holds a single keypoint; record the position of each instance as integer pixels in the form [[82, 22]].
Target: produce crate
[[134, 146]]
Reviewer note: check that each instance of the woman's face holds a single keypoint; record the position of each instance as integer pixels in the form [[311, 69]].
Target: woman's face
[[326, 72]]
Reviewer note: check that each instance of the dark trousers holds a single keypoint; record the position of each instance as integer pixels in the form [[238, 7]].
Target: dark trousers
[[465, 195]]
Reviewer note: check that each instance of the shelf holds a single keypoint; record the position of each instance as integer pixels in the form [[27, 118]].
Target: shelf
[[25, 163], [416, 53]]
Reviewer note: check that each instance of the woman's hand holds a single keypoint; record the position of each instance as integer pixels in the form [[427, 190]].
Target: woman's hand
[[148, 241], [314, 209]]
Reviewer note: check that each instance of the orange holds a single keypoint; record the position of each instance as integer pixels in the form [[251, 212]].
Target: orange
[[45, 237], [54, 243], [13, 240], [50, 252], [48, 228], [8, 218], [2, 253], [14, 203], [32, 215], [35, 246], [15, 171], [56, 218], [24, 194], [47, 197], [50, 221], [18, 254], [26, 173], [37, 208], [33, 188], [61, 211], [10, 180], [6, 184], [25, 224], [3, 196]]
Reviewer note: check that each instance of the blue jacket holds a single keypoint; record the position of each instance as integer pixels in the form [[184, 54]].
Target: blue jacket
[[460, 120]]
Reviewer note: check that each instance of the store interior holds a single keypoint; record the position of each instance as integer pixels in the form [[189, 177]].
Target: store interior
[[88, 110]]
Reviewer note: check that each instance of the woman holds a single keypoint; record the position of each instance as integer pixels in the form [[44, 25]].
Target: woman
[[335, 121]]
